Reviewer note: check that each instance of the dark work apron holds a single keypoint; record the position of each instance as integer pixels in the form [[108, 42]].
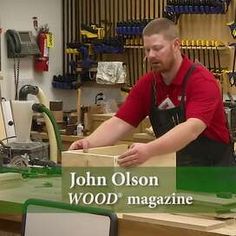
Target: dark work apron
[[200, 152]]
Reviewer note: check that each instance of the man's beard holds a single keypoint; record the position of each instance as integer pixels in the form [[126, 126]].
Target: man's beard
[[157, 67], [160, 68]]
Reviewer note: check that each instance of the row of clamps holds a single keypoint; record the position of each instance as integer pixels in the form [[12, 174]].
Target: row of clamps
[[133, 28], [202, 43], [197, 6], [109, 45], [68, 81], [213, 3], [188, 9]]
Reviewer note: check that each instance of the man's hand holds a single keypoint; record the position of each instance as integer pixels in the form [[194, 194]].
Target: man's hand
[[137, 154], [80, 144]]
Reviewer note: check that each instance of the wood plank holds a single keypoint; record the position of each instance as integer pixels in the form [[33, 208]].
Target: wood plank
[[134, 228], [32, 188], [109, 150], [210, 198], [70, 158], [2, 126], [8, 177], [176, 221]]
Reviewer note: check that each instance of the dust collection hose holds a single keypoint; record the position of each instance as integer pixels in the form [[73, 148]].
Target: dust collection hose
[[37, 107], [34, 90]]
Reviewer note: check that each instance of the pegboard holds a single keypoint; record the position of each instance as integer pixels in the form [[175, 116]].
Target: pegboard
[[109, 12]]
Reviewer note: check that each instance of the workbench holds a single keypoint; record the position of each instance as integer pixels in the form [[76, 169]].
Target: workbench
[[128, 224], [67, 140], [15, 193]]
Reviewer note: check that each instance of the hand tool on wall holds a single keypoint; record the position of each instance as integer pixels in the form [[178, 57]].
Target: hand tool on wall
[[106, 9], [187, 43], [141, 25], [232, 75], [128, 52], [148, 8], [232, 26], [109, 20], [203, 51], [154, 9], [163, 7], [89, 11], [144, 10], [94, 13], [217, 44], [133, 35], [208, 54], [214, 55], [183, 45], [193, 49], [170, 13], [198, 45], [158, 10]]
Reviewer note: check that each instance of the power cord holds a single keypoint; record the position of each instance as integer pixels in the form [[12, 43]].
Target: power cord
[[16, 75]]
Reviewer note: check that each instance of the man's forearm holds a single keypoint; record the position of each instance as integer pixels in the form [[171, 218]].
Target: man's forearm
[[109, 132], [177, 138]]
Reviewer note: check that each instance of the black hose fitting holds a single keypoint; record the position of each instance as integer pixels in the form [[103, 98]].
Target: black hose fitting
[[27, 89]]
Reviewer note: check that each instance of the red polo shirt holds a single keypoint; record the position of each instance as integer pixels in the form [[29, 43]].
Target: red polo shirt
[[203, 99]]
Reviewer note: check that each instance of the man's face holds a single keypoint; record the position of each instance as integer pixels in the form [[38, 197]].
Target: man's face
[[160, 52]]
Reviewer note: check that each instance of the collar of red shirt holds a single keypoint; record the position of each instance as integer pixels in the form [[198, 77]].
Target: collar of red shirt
[[186, 63]]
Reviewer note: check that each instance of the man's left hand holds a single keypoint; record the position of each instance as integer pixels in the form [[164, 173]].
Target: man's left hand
[[136, 155]]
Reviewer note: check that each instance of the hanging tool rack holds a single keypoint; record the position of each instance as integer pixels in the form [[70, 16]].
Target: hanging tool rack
[[109, 14], [202, 25]]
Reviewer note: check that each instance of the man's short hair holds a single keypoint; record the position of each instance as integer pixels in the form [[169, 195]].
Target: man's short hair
[[162, 26]]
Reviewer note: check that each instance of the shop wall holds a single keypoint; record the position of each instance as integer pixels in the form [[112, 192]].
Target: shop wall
[[15, 14]]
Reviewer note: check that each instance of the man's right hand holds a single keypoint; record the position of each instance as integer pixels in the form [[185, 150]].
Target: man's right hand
[[80, 144]]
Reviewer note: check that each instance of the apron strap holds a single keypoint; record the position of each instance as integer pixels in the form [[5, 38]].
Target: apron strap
[[186, 77], [154, 90]]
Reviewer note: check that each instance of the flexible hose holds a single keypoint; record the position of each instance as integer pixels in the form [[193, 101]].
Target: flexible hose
[[42, 98], [34, 90], [42, 109], [51, 133]]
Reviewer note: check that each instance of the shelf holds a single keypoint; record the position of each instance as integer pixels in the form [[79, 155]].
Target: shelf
[[141, 47], [189, 47], [94, 84], [204, 47]]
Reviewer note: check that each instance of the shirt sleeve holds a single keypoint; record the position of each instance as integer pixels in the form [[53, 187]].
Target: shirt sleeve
[[137, 105], [202, 98]]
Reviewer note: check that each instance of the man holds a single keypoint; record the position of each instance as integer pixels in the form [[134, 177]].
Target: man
[[183, 102]]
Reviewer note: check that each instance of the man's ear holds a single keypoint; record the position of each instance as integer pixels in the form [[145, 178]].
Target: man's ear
[[177, 44]]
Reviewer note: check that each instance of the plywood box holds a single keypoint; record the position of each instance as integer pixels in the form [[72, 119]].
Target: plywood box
[[106, 157]]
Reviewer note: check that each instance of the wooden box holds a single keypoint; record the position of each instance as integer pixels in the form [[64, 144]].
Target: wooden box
[[106, 157]]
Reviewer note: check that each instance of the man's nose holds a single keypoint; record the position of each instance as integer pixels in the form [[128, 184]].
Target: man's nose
[[151, 53]]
